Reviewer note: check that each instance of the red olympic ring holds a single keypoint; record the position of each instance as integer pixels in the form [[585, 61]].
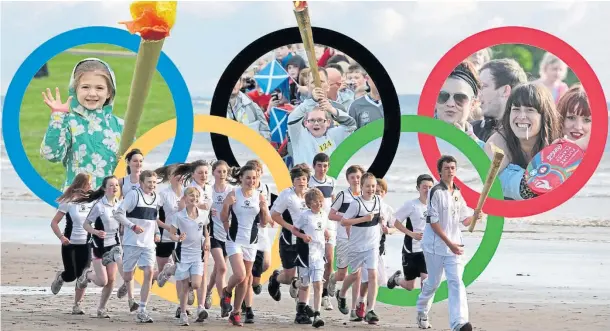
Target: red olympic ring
[[550, 43]]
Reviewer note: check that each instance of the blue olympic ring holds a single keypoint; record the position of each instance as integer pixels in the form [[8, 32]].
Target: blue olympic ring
[[58, 44]]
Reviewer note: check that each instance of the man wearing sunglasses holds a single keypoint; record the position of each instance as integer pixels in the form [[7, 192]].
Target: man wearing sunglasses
[[309, 124], [498, 78]]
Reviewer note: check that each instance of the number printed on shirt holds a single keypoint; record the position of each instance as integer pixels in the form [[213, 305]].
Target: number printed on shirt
[[325, 146]]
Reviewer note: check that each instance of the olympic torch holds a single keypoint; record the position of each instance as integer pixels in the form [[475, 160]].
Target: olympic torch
[[301, 12], [153, 20]]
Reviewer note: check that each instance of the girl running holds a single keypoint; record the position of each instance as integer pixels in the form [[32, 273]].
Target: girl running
[[75, 249], [171, 202], [190, 223], [218, 235], [83, 134], [246, 208], [104, 229]]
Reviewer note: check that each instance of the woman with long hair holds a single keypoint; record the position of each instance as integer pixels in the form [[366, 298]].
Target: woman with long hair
[[246, 208], [104, 228], [75, 249], [529, 124], [575, 116]]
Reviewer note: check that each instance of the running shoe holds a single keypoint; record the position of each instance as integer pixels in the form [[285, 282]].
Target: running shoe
[[274, 286], [353, 316], [57, 283], [235, 319], [77, 310], [360, 309], [317, 320], [143, 317], [464, 327], [249, 315], [102, 313], [202, 314], [326, 303], [122, 291], [225, 303], [294, 290], [393, 281], [341, 304], [82, 281], [165, 274], [208, 300], [371, 317], [184, 319], [257, 289], [422, 321], [133, 305], [332, 284]]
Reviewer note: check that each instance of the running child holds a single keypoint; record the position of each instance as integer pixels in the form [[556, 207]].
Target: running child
[[104, 228], [193, 240], [387, 228], [340, 206], [312, 234], [364, 217], [75, 248], [218, 235], [326, 185], [138, 214], [246, 208], [410, 219], [171, 202], [286, 209]]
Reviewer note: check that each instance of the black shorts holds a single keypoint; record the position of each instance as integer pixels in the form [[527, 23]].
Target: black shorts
[[75, 258], [288, 255], [257, 267], [165, 249], [413, 265], [98, 252], [215, 243]]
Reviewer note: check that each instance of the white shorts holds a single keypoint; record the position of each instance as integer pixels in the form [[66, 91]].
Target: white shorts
[[140, 256], [365, 260], [247, 251], [332, 240], [185, 270], [381, 274], [342, 253], [310, 275]]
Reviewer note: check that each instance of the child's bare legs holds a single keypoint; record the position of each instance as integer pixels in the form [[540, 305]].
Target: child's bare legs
[[372, 293], [317, 296]]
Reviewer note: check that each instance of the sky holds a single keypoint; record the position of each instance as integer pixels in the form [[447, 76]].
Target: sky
[[408, 38]]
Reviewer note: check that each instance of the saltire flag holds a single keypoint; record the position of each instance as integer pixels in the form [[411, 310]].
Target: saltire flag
[[278, 124], [272, 77]]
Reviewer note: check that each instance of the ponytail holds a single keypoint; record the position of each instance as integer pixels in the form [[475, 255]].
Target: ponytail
[[95, 195], [186, 170], [237, 172], [75, 190], [164, 173]]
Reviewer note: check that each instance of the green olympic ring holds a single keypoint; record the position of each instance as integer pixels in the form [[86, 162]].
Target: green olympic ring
[[476, 155]]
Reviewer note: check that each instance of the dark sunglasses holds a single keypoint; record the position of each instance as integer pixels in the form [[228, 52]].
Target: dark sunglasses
[[459, 98]]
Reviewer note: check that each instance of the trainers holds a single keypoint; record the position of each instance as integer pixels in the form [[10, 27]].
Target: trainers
[[371, 317], [294, 290], [111, 256], [309, 311], [257, 289], [165, 274], [208, 300], [393, 281], [143, 317], [353, 316], [360, 309], [341, 304], [102, 313], [302, 318], [249, 315], [57, 283], [202, 314], [82, 281], [122, 291], [191, 297], [332, 284], [77, 310], [317, 320], [326, 303], [225, 303], [178, 312], [422, 321], [274, 286], [184, 319], [235, 319], [464, 327], [133, 305]]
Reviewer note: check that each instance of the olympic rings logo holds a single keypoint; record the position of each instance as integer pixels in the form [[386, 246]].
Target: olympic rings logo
[[389, 129]]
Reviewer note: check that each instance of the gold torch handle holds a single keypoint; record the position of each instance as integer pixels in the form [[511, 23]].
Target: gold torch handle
[[301, 12]]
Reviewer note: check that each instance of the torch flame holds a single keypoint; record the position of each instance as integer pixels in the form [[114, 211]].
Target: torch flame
[[152, 19], [300, 5]]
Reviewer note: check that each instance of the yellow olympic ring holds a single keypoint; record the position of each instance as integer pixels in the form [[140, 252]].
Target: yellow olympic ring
[[220, 125]]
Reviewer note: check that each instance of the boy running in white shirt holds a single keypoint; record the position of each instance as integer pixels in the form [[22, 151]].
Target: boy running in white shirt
[[138, 215], [326, 185], [312, 234], [413, 214], [194, 239]]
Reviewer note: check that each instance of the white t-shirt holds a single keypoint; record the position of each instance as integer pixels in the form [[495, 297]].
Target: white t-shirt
[[191, 248], [75, 218], [448, 210], [218, 199], [326, 186], [364, 236], [102, 218], [245, 217], [311, 255], [263, 231], [128, 185], [412, 214], [340, 205], [290, 206], [205, 195], [169, 204]]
